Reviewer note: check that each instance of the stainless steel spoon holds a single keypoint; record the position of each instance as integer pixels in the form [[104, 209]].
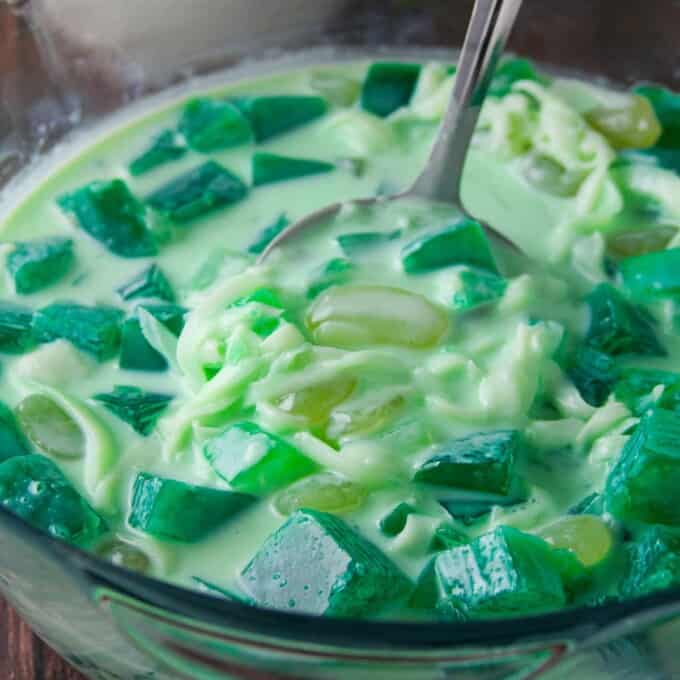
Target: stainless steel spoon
[[489, 29]]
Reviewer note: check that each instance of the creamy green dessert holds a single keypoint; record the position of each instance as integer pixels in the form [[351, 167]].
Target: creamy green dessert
[[394, 415]]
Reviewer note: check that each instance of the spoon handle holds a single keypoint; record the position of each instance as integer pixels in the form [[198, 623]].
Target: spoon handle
[[490, 26]]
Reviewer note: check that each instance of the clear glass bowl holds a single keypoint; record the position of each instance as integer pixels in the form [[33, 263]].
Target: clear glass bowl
[[67, 63]]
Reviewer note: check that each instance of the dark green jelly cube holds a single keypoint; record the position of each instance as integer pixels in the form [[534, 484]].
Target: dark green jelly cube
[[618, 327], [263, 296], [393, 523], [510, 72], [16, 329], [316, 564], [269, 168], [255, 461], [173, 317], [165, 148], [34, 488], [643, 483], [136, 354], [110, 213], [210, 125], [34, 265], [136, 407], [504, 572], [426, 593], [635, 387], [464, 243], [652, 562], [197, 192], [479, 462], [666, 104], [593, 373], [470, 510], [478, 288], [268, 234], [95, 330], [335, 272], [12, 440], [652, 276], [357, 243], [172, 510], [149, 283], [389, 86], [273, 116]]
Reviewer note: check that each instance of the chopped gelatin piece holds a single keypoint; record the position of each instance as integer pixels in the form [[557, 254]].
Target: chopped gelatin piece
[[337, 88], [273, 116], [49, 428], [171, 316], [388, 87], [505, 572], [469, 511], [510, 72], [478, 288], [12, 441], [593, 373], [172, 510], [652, 276], [334, 273], [619, 327], [666, 104], [264, 296], [394, 522], [136, 354], [643, 483], [641, 241], [593, 504], [447, 537], [255, 461], [150, 283], [34, 265], [211, 125], [353, 317], [479, 462], [587, 536], [426, 593], [635, 387], [124, 555], [139, 409], [548, 175], [165, 148], [630, 126], [16, 329], [34, 488], [269, 168], [197, 192], [463, 243], [109, 213], [268, 234], [354, 244], [316, 402], [325, 492], [95, 330], [316, 564], [652, 562], [364, 419]]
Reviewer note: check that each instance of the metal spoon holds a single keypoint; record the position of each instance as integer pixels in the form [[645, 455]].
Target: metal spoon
[[490, 26]]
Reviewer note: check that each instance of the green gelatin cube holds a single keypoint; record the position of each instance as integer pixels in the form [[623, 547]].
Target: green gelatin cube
[[479, 462], [470, 510], [355, 244], [149, 283], [389, 86], [464, 243], [136, 407], [593, 373], [394, 522], [95, 330], [165, 148], [652, 562], [16, 329], [666, 105], [34, 488], [255, 461], [635, 387], [269, 168], [510, 72], [173, 317], [335, 272], [643, 483], [34, 265], [447, 537], [316, 564], [426, 593], [172, 510], [12, 440], [197, 192], [478, 288], [273, 116], [136, 354], [618, 327], [504, 572], [210, 125], [652, 276], [110, 213], [268, 234]]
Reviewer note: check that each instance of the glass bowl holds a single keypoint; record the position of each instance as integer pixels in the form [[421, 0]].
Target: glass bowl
[[66, 64]]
